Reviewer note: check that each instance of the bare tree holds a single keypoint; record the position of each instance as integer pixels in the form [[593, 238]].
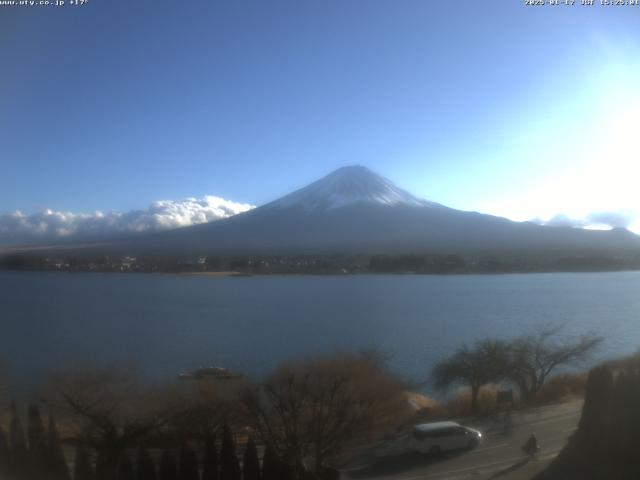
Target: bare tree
[[313, 410], [204, 416], [112, 410], [533, 357], [486, 361]]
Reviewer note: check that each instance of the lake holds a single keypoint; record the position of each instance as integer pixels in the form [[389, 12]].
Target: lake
[[166, 324]]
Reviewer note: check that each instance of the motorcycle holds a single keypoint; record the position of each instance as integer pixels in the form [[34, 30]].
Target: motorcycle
[[531, 447]]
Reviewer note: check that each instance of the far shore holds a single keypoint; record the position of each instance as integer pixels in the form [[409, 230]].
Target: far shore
[[230, 273]]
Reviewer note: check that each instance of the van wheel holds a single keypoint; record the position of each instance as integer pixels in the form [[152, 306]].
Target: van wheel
[[435, 451], [472, 444]]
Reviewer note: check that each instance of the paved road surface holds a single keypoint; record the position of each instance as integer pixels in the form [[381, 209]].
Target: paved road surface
[[499, 455]]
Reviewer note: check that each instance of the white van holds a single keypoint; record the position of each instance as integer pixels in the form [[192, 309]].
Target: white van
[[438, 437]]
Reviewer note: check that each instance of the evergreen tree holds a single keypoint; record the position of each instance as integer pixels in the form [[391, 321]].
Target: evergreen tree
[[56, 462], [146, 470], [229, 466], [168, 469], [287, 471], [633, 419], [250, 462], [188, 464], [35, 429], [618, 434], [18, 445], [270, 464], [125, 469], [594, 422], [82, 469], [104, 467], [210, 459], [37, 443], [5, 456]]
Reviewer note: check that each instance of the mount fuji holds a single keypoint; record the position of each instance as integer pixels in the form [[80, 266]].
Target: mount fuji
[[354, 210], [348, 186]]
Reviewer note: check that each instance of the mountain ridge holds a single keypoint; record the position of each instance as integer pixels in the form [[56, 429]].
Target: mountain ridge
[[354, 210]]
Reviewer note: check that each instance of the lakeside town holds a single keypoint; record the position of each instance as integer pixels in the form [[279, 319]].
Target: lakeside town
[[323, 264]]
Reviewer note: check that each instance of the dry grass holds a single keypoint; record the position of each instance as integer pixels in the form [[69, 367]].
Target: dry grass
[[561, 388], [557, 389], [460, 405]]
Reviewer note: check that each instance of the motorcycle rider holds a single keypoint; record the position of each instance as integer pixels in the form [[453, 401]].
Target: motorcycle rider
[[531, 446]]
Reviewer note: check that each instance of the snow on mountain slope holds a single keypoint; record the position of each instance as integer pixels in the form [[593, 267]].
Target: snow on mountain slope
[[347, 186]]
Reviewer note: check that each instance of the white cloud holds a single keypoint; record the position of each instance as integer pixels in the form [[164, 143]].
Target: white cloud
[[596, 220], [50, 225]]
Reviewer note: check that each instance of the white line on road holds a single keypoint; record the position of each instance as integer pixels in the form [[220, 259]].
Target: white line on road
[[478, 450], [552, 420]]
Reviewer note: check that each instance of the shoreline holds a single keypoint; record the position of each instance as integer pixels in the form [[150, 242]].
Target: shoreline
[[235, 273], [229, 273]]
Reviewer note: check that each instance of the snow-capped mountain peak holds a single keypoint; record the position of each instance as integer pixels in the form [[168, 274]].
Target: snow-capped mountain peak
[[346, 186]]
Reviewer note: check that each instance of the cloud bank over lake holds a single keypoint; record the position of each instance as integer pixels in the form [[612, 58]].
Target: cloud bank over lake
[[50, 225]]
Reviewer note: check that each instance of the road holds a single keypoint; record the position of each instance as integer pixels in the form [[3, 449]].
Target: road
[[498, 456]]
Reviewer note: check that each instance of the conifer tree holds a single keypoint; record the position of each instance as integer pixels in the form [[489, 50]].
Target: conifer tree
[[18, 445], [188, 467], [633, 405], [56, 462], [36, 434], [82, 469], [4, 454], [286, 471], [250, 462], [168, 469], [618, 433], [270, 464], [229, 466], [146, 470], [125, 469], [210, 459], [104, 468], [594, 421], [37, 443]]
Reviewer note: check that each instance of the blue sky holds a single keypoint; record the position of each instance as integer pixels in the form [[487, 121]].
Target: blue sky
[[492, 106]]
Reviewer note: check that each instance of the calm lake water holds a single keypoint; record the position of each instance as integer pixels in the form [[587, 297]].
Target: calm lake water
[[167, 324]]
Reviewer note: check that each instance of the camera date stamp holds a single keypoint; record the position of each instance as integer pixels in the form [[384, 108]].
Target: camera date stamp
[[582, 3]]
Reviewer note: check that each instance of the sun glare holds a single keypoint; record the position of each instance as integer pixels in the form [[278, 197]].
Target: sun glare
[[595, 169]]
